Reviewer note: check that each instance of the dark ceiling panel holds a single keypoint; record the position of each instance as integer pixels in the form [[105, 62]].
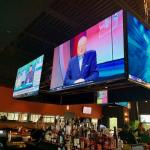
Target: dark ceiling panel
[[33, 45], [16, 15], [137, 5], [80, 10], [51, 29]]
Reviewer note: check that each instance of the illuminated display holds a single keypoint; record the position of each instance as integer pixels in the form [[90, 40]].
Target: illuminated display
[[95, 55], [28, 78]]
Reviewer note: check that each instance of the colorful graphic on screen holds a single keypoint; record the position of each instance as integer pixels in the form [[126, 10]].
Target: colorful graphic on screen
[[138, 50], [95, 55], [102, 97], [28, 78]]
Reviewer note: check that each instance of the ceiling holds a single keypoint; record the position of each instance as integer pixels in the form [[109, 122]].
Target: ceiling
[[29, 28]]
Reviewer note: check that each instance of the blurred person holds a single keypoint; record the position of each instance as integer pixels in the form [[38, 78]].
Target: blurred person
[[38, 133], [126, 136], [23, 77], [62, 124], [68, 129], [100, 126], [140, 129], [30, 75], [3, 118], [58, 125], [82, 67]]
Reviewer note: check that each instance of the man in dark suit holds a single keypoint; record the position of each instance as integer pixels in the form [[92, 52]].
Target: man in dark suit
[[82, 67], [30, 75]]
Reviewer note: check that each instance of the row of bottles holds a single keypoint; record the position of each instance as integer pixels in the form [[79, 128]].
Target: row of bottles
[[91, 140]]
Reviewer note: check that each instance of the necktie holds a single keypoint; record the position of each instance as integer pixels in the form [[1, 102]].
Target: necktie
[[80, 61]]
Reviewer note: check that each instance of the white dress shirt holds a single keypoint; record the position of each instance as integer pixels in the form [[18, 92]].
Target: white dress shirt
[[80, 58]]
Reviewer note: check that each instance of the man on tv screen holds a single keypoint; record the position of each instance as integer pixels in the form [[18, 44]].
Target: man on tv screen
[[30, 75], [82, 67]]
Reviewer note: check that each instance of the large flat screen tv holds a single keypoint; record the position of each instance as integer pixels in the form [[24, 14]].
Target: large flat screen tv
[[93, 56], [28, 79], [138, 50]]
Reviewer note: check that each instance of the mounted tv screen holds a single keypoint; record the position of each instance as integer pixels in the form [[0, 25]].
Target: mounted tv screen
[[124, 104], [138, 50], [145, 118], [102, 97], [94, 56], [28, 79]]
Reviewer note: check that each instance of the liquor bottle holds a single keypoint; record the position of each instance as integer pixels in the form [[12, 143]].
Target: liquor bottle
[[120, 143], [115, 137], [9, 136]]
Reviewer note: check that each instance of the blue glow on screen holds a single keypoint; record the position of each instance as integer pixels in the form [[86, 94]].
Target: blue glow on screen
[[110, 69], [138, 50], [124, 104]]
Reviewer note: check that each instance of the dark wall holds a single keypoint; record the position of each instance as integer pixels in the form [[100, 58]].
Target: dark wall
[[133, 111], [8, 104], [144, 107], [113, 111]]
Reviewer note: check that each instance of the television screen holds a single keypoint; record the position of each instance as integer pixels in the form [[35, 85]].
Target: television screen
[[94, 56], [124, 104], [87, 110], [138, 50], [145, 118], [28, 79], [102, 97]]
